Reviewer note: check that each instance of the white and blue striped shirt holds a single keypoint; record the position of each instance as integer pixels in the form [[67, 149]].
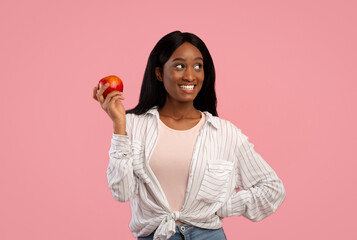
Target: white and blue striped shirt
[[223, 162]]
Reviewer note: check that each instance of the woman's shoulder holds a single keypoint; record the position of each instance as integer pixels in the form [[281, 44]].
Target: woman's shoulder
[[131, 117], [221, 123], [134, 117]]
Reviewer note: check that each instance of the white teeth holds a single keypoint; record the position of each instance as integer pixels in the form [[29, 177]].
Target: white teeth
[[188, 87]]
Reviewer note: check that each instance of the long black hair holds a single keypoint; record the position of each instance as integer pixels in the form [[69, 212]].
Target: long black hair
[[153, 92]]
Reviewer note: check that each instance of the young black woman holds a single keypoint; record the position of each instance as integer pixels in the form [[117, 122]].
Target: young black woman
[[182, 167]]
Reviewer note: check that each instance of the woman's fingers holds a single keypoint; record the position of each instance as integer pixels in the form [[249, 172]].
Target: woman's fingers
[[109, 98], [116, 97], [95, 89], [99, 94], [111, 104]]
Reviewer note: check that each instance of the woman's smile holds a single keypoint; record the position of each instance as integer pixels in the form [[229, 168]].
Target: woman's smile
[[187, 88]]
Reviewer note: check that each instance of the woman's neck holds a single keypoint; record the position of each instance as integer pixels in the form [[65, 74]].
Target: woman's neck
[[179, 111]]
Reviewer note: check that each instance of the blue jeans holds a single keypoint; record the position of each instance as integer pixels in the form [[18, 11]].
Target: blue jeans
[[189, 232]]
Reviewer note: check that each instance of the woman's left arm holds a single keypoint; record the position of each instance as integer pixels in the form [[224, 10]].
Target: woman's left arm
[[260, 191]]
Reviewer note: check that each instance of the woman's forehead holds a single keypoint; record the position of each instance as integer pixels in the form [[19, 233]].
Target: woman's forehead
[[187, 51]]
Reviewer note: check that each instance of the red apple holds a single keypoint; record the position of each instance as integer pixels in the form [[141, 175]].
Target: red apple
[[115, 84]]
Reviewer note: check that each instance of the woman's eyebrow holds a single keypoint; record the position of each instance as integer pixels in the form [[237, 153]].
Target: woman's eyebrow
[[182, 59]]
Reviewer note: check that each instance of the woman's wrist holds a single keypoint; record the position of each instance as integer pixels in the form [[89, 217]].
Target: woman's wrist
[[119, 127]]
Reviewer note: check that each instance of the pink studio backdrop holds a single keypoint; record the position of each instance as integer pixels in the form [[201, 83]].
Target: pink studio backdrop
[[286, 76]]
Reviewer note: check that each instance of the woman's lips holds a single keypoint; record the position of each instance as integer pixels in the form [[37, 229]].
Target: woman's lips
[[187, 88]]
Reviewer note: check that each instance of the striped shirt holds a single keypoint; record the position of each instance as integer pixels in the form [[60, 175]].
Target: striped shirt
[[226, 178]]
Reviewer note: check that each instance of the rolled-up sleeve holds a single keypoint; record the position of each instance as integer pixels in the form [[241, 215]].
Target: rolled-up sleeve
[[121, 178], [259, 191]]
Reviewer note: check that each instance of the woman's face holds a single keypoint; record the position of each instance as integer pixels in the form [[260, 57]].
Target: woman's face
[[182, 75]]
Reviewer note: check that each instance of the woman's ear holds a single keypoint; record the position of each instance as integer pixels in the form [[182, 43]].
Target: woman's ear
[[158, 73]]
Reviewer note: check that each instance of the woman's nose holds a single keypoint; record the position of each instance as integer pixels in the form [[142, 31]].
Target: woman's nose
[[189, 75]]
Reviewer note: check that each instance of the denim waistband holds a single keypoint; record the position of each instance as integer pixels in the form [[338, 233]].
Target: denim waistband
[[189, 232]]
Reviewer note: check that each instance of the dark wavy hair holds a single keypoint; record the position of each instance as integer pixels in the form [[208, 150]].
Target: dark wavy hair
[[153, 92]]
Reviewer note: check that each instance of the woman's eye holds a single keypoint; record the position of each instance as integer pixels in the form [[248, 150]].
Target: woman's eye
[[198, 66], [179, 66]]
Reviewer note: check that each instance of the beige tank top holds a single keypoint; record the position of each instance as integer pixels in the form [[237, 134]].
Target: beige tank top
[[171, 159]]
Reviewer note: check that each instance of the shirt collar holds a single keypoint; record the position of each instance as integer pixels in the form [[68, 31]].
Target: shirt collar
[[209, 117]]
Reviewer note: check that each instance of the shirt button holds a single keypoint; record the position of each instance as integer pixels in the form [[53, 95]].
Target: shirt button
[[191, 174]]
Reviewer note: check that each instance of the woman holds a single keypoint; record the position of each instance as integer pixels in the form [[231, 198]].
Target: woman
[[183, 168]]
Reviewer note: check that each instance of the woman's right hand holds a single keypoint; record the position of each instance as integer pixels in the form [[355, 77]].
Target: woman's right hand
[[112, 104]]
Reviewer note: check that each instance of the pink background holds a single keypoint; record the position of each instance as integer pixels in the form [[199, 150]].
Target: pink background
[[286, 76]]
